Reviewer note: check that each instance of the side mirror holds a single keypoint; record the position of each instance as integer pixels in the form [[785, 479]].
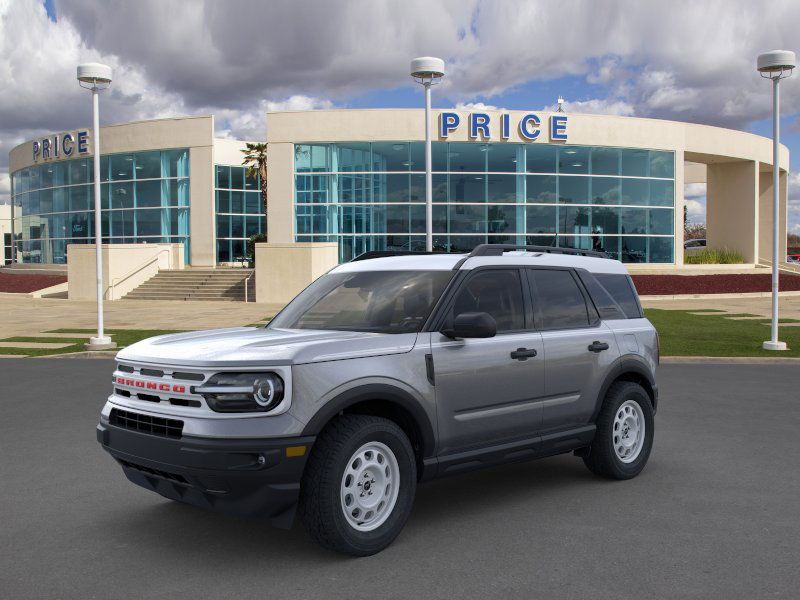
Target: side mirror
[[472, 325]]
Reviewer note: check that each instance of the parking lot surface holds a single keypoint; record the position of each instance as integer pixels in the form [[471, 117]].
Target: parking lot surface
[[714, 515]]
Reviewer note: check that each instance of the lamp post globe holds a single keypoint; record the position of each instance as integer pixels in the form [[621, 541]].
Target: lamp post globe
[[428, 70], [775, 65], [95, 73], [97, 77]]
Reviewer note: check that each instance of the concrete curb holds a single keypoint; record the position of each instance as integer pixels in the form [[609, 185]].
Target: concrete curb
[[750, 360], [107, 354]]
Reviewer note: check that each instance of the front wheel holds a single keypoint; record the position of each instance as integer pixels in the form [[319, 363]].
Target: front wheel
[[359, 485], [624, 436]]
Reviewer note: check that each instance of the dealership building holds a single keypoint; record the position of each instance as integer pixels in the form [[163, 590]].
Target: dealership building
[[356, 178]]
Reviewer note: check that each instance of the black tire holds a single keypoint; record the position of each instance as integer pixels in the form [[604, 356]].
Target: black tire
[[320, 504], [602, 459]]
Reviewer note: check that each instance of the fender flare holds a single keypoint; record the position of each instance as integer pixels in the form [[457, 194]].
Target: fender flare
[[376, 391], [627, 364]]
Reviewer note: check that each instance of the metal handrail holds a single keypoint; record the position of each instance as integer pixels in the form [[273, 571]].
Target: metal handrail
[[246, 280], [117, 280]]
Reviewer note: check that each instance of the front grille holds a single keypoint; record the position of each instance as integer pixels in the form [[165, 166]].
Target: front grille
[[169, 428], [161, 385], [157, 472]]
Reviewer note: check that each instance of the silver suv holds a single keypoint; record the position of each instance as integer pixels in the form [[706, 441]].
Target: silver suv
[[385, 372]]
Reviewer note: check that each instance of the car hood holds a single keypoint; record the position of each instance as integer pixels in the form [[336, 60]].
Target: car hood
[[251, 346]]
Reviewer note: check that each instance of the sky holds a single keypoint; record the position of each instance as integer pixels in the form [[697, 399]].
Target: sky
[[681, 60]]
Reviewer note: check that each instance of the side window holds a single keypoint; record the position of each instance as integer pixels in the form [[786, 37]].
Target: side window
[[606, 305], [621, 289], [559, 299], [497, 292]]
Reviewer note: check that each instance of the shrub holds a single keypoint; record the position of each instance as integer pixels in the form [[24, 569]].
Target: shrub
[[714, 256], [251, 247]]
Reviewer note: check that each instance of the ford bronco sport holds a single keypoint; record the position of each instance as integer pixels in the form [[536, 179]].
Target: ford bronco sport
[[387, 371]]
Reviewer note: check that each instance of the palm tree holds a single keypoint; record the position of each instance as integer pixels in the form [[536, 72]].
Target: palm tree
[[255, 159]]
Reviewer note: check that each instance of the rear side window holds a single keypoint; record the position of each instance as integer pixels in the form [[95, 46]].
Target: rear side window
[[605, 304], [559, 299], [621, 289]]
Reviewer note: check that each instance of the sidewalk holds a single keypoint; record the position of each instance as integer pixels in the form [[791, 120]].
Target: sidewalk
[[24, 316]]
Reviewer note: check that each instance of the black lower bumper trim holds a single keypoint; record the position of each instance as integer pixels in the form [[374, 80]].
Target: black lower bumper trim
[[250, 477]]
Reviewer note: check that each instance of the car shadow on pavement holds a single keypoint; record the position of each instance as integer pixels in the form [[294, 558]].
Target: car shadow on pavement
[[451, 502]]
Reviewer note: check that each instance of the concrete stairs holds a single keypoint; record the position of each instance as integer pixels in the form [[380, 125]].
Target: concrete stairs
[[197, 284]]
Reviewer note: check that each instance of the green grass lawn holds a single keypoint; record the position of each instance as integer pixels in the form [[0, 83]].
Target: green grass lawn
[[681, 333], [685, 334]]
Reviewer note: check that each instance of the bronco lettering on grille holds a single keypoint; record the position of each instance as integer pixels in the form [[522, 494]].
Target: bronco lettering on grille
[[150, 385]]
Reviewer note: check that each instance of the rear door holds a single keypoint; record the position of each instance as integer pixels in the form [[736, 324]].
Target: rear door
[[578, 347], [489, 390]]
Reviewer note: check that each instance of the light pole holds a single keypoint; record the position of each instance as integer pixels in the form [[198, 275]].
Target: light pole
[[97, 77], [775, 65], [428, 70]]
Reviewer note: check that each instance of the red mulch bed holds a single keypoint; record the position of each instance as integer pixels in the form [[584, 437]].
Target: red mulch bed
[[662, 285], [23, 284]]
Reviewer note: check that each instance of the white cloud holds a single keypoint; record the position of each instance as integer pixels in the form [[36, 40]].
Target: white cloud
[[694, 190], [696, 211], [597, 106], [475, 106], [250, 124]]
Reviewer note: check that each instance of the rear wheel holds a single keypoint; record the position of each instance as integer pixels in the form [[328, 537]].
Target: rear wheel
[[624, 436], [359, 485]]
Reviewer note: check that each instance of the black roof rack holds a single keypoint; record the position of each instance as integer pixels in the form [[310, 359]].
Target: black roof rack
[[499, 249], [384, 253]]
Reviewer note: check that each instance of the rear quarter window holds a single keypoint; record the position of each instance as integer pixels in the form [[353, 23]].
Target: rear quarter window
[[620, 288]]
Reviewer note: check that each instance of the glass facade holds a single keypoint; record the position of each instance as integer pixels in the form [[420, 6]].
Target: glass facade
[[144, 198], [370, 196], [239, 212]]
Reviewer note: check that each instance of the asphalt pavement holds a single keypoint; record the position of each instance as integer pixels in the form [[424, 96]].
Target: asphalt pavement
[[714, 515]]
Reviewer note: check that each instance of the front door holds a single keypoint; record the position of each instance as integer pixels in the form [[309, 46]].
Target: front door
[[489, 390]]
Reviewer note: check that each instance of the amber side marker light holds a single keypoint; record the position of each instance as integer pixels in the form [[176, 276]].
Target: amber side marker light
[[293, 451]]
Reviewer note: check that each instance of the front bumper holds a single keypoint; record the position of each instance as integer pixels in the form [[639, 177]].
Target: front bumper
[[244, 477]]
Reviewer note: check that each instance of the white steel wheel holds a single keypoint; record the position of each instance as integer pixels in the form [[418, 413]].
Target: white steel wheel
[[369, 487], [629, 431]]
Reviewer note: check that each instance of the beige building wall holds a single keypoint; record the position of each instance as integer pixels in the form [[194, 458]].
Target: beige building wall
[[280, 192], [283, 270], [765, 212], [125, 267], [732, 209]]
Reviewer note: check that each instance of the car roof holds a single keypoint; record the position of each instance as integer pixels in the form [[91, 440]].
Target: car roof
[[447, 262]]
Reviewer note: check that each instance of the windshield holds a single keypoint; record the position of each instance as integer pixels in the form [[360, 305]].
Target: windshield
[[373, 301]]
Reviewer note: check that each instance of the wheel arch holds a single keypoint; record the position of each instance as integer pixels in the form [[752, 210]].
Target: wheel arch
[[383, 400], [630, 369]]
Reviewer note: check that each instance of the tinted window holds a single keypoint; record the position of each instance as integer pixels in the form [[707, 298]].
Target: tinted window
[[621, 289], [605, 304], [497, 292], [559, 299], [373, 301]]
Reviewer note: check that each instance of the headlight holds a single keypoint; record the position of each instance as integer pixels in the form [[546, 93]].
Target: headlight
[[242, 392]]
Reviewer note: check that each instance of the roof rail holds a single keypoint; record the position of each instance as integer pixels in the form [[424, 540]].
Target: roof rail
[[384, 253], [499, 249]]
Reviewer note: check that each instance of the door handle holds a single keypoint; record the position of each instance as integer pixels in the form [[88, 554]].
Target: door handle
[[523, 353], [597, 346]]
